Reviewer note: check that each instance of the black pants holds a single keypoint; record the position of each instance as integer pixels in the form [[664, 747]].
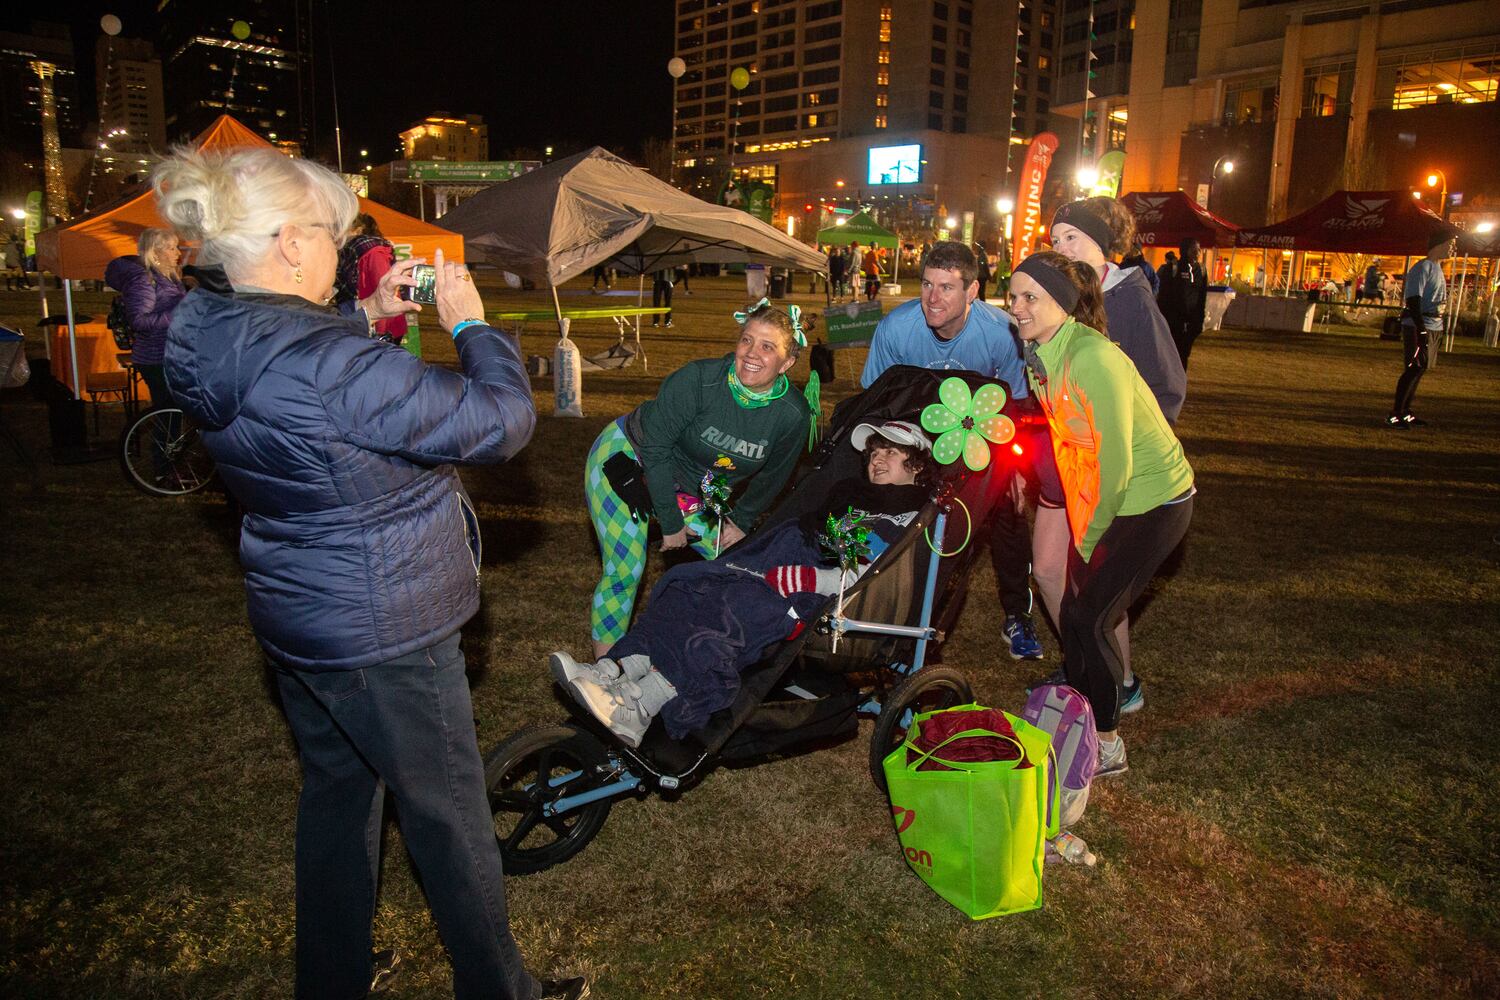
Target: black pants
[[1183, 334], [1102, 590], [1010, 555], [1414, 344], [661, 295]]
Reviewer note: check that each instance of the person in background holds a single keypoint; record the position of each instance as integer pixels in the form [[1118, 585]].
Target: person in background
[[1183, 298], [1129, 488], [838, 261], [871, 266], [856, 268], [150, 285], [683, 273], [361, 548], [601, 273], [947, 329], [1425, 292], [661, 294], [732, 418], [1088, 231], [363, 261], [984, 271], [1136, 258]]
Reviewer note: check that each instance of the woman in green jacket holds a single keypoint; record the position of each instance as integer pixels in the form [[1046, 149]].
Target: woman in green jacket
[[716, 424], [1128, 488]]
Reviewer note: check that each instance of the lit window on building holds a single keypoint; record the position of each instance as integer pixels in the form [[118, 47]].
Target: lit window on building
[[880, 121], [1451, 75], [883, 77]]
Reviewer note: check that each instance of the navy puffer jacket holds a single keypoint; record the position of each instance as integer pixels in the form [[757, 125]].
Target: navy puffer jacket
[[149, 302], [359, 543]]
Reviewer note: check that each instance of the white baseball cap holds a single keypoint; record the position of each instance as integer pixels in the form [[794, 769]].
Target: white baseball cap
[[899, 431]]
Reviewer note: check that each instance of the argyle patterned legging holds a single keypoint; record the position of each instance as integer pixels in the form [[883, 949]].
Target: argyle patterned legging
[[622, 538]]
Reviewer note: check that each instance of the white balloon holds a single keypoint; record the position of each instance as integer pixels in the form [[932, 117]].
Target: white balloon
[[676, 67], [110, 24]]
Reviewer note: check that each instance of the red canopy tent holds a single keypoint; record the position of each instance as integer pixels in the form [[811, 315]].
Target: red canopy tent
[[1386, 223], [1169, 218], [81, 248]]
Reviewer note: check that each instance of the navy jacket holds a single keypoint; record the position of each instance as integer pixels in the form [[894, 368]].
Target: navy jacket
[[1137, 325], [149, 302], [359, 543]]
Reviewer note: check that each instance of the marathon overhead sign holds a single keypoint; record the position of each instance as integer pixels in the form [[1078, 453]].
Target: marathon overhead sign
[[463, 173]]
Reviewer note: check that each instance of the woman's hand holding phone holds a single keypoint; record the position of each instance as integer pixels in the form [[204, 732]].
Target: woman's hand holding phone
[[457, 298], [386, 301]]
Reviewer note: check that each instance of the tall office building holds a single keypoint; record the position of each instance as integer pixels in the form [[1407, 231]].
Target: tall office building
[[247, 58], [960, 84], [1308, 96], [132, 117], [21, 90]]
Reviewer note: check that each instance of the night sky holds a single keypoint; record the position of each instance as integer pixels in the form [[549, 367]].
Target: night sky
[[568, 73]]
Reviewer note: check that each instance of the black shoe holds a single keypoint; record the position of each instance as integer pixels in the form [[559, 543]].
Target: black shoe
[[383, 967], [1412, 421], [1395, 421], [565, 989]]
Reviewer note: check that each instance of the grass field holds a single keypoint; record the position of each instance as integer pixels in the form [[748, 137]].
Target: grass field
[[1311, 809]]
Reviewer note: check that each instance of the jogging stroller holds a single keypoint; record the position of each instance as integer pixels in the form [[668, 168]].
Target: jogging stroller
[[551, 787]]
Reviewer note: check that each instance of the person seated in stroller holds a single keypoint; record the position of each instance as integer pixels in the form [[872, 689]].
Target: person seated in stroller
[[707, 622]]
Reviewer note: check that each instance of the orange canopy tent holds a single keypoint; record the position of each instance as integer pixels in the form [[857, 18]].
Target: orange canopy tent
[[82, 248]]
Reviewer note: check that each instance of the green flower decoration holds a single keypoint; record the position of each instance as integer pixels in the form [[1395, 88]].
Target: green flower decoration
[[965, 425]]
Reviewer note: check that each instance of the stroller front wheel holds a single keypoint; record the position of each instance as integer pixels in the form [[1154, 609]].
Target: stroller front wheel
[[924, 691], [529, 772]]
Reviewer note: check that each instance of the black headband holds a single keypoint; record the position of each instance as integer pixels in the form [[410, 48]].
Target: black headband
[[1077, 215], [1057, 284]]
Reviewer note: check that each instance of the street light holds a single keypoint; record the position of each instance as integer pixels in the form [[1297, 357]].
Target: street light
[[1005, 206], [1221, 165], [1436, 178], [18, 214], [1485, 227], [1087, 177]]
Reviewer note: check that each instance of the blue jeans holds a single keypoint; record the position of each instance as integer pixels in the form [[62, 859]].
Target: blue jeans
[[406, 725]]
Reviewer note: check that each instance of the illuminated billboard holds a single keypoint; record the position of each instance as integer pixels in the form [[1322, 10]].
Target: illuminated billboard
[[895, 165]]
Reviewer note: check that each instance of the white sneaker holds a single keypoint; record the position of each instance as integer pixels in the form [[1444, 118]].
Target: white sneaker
[[564, 669], [625, 707], [1112, 758]]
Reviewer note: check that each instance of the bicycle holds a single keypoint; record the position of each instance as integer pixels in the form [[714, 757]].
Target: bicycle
[[162, 453]]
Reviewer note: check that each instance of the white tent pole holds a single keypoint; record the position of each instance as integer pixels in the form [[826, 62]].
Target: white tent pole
[[72, 338], [41, 284], [557, 305]]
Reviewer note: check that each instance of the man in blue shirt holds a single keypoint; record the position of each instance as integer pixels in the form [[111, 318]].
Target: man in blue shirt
[[1425, 294], [947, 329]]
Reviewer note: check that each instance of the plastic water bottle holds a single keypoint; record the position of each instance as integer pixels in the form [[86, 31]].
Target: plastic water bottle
[[1070, 847]]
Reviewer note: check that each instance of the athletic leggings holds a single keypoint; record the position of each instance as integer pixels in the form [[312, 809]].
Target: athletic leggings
[[622, 538], [1414, 344], [1102, 590]]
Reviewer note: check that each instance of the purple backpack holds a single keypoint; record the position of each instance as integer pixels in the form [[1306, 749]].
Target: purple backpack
[[1064, 714]]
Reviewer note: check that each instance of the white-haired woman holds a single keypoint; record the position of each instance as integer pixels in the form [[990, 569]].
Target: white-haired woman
[[150, 285], [361, 549]]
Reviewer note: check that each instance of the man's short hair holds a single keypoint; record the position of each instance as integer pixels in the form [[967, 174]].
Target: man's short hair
[[950, 255]]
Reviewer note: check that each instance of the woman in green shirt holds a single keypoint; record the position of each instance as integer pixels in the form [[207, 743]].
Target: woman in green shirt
[[715, 424], [1128, 488]]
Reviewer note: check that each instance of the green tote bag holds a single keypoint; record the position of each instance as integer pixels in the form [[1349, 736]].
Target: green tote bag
[[975, 832]]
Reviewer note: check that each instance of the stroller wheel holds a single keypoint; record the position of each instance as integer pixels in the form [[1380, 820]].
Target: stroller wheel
[[925, 691], [533, 768]]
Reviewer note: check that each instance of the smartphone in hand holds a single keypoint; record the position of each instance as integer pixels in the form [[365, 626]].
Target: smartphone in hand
[[425, 289]]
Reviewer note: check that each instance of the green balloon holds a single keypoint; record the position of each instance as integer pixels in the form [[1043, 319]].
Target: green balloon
[[240, 30], [740, 78]]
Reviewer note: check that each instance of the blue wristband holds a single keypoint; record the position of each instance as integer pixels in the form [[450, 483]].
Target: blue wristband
[[464, 324]]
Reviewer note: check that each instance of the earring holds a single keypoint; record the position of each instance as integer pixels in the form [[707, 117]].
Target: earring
[[297, 276]]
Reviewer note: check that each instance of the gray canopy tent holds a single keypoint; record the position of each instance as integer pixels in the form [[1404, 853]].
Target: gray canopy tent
[[562, 220]]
